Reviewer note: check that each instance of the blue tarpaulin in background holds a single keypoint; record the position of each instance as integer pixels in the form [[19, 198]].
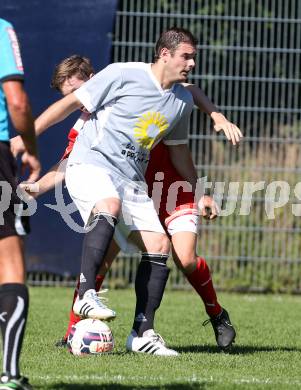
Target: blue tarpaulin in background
[[49, 31]]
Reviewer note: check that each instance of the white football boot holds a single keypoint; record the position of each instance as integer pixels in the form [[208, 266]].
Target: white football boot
[[91, 306], [151, 343]]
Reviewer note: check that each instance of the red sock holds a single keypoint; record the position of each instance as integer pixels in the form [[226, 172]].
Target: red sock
[[73, 318], [201, 281], [98, 281]]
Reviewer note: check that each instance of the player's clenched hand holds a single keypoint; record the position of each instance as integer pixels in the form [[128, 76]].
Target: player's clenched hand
[[232, 132], [208, 207], [17, 145], [29, 190], [31, 162]]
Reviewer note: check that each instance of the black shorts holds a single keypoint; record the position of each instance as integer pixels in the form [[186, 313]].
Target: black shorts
[[10, 223]]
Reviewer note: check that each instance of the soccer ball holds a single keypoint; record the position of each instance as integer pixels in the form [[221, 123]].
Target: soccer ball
[[90, 337]]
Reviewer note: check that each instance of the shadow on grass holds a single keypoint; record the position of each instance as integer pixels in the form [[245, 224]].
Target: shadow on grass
[[235, 350], [107, 386]]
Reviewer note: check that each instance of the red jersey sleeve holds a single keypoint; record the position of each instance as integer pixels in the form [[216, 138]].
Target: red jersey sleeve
[[73, 133], [71, 137]]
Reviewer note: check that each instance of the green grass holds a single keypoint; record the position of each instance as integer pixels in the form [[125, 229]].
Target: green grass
[[266, 353]]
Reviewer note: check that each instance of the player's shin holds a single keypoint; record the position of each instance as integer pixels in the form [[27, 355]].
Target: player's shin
[[151, 278], [95, 246], [14, 302], [201, 281], [96, 243]]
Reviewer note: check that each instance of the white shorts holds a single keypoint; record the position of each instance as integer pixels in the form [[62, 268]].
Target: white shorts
[[87, 184], [183, 220]]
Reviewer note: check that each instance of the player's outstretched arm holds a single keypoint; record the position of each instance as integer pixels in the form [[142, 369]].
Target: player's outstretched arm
[[52, 178], [55, 113], [232, 132]]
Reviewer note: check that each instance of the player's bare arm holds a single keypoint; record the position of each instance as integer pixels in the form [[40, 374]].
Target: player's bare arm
[[21, 116], [20, 113], [55, 113], [181, 159], [51, 179], [201, 100]]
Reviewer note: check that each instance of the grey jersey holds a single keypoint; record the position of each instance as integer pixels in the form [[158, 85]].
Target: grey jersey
[[130, 114]]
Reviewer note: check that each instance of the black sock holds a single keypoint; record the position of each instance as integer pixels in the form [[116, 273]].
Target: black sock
[[14, 302], [95, 246], [151, 278]]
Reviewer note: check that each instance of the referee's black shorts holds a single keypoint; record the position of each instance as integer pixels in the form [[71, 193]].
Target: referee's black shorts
[[11, 224]]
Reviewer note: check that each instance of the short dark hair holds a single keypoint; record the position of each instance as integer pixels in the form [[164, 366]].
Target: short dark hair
[[171, 39], [74, 65]]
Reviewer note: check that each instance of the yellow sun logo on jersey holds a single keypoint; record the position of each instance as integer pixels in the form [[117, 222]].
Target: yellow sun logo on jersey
[[149, 127]]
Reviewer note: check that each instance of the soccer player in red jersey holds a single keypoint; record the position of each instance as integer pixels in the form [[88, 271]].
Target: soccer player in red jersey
[[176, 206]]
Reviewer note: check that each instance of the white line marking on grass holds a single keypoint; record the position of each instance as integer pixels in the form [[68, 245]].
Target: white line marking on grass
[[194, 378]]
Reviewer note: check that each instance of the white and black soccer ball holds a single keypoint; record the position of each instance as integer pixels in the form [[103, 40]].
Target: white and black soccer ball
[[90, 337]]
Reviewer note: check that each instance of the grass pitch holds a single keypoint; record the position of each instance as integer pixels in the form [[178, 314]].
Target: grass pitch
[[267, 353]]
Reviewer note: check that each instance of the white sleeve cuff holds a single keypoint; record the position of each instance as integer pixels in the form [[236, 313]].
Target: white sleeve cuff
[[84, 98]]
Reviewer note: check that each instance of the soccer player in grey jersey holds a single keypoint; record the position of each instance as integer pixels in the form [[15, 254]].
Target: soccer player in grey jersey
[[133, 107]]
